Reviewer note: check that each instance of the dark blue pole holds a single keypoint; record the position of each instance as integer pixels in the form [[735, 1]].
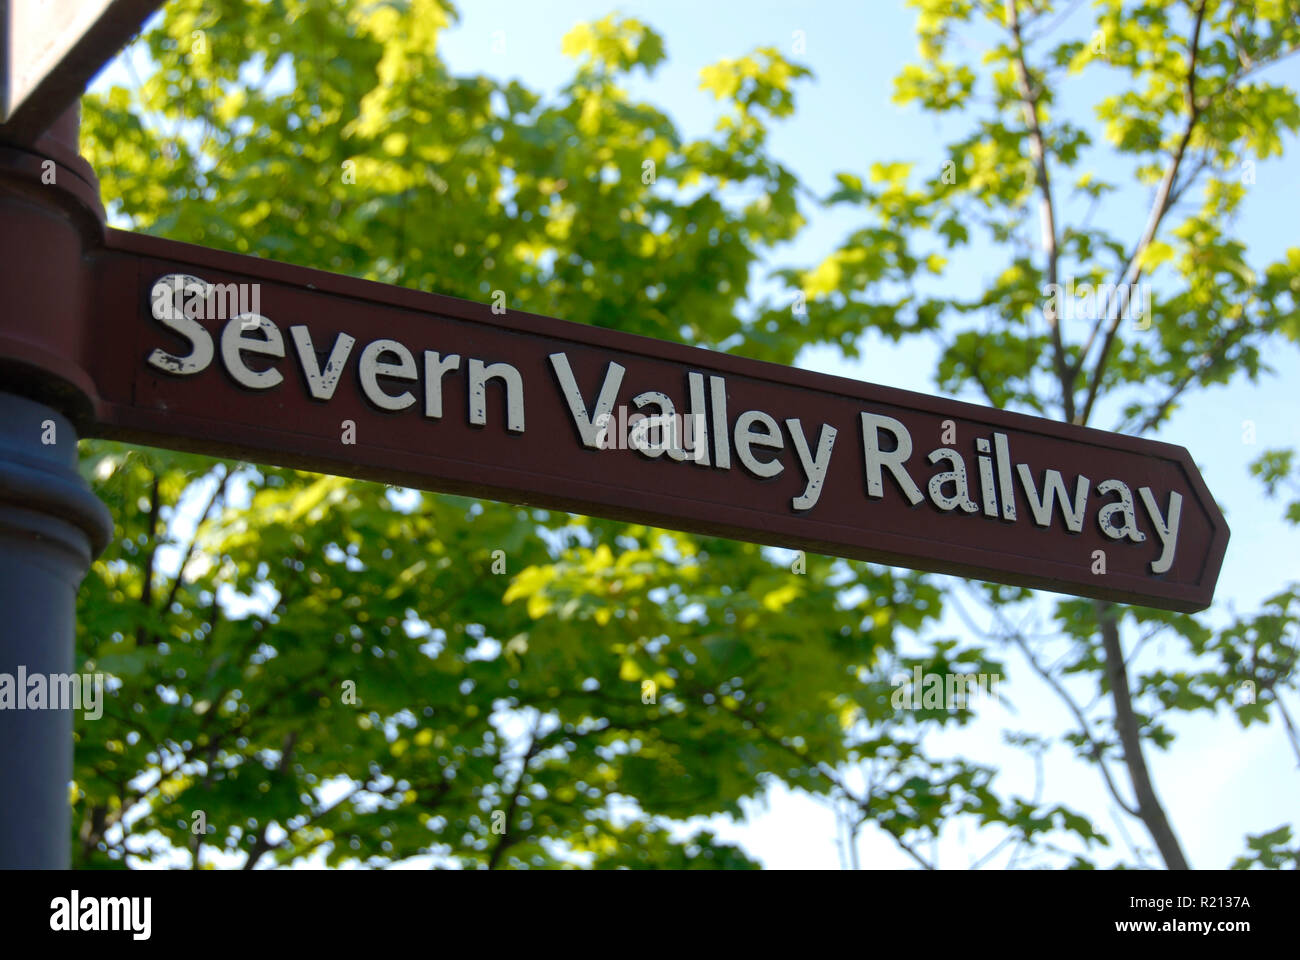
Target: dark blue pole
[[51, 526]]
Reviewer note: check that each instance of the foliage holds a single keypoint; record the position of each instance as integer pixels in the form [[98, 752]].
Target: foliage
[[616, 681]]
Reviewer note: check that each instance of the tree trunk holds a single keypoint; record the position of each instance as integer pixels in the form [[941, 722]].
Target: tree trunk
[[1126, 725]]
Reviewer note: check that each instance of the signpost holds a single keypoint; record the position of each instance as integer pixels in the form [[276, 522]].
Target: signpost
[[237, 356], [172, 345]]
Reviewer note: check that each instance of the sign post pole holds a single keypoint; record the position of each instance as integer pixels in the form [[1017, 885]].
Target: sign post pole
[[51, 525]]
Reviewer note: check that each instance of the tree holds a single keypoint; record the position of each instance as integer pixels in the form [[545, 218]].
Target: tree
[[1194, 114], [334, 668]]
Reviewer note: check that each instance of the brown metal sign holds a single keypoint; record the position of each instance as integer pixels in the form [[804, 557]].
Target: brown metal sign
[[236, 356]]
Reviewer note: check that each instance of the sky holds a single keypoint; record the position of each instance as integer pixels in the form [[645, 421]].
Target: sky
[[1218, 783]]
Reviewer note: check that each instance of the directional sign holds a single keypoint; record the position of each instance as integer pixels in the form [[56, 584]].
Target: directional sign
[[163, 343], [237, 356], [52, 48], [184, 347]]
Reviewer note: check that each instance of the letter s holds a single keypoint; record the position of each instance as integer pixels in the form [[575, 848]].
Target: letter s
[[167, 296]]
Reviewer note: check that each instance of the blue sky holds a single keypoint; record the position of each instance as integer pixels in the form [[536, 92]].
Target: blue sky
[[1218, 782]]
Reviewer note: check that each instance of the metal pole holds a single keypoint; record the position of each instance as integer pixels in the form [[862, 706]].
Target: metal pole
[[51, 525]]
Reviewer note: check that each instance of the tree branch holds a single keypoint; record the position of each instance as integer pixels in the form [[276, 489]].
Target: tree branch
[[146, 588], [1018, 638], [263, 844], [189, 551], [1163, 201], [1214, 353], [1149, 809], [513, 803], [1046, 206]]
